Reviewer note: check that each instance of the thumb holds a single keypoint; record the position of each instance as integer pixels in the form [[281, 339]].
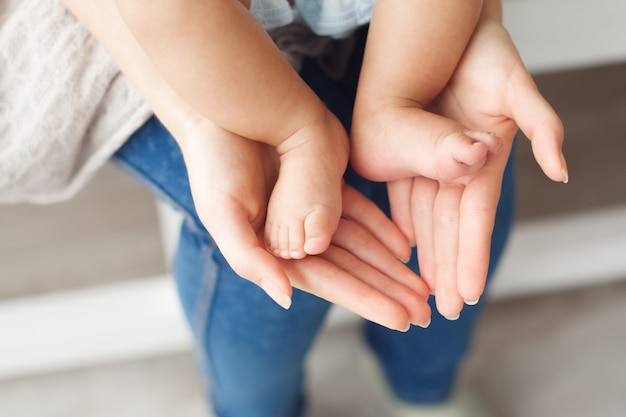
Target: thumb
[[540, 123], [241, 247]]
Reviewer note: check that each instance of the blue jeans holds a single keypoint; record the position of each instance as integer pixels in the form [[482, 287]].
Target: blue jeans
[[250, 351]]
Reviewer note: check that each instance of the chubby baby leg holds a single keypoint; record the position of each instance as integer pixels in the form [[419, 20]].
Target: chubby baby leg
[[305, 205]]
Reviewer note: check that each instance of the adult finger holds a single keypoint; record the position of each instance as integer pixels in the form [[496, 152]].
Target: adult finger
[[243, 250], [318, 276], [399, 193], [416, 306], [446, 247], [368, 215], [353, 238], [477, 218], [540, 123], [423, 194]]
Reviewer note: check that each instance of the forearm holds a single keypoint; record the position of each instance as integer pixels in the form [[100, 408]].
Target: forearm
[[414, 46], [101, 19], [492, 9], [218, 58]]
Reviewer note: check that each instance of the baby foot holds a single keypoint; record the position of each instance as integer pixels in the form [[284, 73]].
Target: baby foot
[[305, 205], [409, 142], [461, 152]]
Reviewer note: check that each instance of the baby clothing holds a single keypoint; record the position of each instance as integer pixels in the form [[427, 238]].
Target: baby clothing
[[334, 18]]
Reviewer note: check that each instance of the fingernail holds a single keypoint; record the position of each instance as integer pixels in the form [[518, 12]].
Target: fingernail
[[565, 175], [472, 302], [276, 294], [406, 329], [425, 325], [453, 318]]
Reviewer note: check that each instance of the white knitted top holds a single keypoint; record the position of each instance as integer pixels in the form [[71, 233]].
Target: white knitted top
[[64, 106]]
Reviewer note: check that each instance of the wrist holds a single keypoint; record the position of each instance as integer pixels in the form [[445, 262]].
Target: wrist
[[186, 125]]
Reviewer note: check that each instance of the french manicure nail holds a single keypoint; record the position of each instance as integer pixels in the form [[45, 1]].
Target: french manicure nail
[[276, 294], [564, 170], [453, 318], [472, 302], [425, 325]]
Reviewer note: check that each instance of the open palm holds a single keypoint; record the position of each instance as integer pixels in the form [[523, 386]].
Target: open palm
[[452, 221], [232, 178]]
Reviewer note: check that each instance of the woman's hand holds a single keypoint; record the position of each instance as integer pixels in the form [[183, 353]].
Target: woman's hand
[[231, 180], [361, 270], [452, 221]]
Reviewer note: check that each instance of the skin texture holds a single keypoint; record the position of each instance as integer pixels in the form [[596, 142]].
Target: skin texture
[[489, 91], [412, 50], [452, 221], [368, 280], [255, 94]]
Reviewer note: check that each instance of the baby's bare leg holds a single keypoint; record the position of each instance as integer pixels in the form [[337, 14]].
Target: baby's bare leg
[[305, 205], [412, 51], [245, 86]]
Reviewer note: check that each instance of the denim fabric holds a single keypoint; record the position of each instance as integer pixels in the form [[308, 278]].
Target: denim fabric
[[421, 364], [250, 351]]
